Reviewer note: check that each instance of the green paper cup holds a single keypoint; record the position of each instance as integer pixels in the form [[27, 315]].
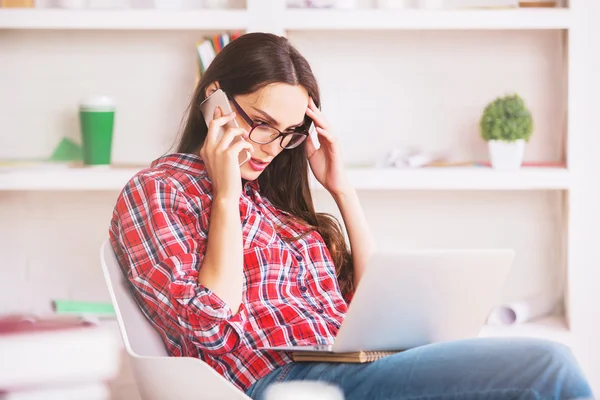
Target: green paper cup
[[96, 118]]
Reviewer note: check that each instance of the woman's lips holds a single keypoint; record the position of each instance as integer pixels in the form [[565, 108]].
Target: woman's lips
[[257, 165]]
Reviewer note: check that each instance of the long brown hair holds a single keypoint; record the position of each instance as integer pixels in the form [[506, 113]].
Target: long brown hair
[[247, 64]]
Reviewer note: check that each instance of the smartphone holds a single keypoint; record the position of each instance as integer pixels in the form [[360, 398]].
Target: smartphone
[[313, 135], [208, 107]]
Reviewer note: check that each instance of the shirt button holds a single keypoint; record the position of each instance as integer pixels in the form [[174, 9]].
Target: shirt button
[[299, 258], [303, 288]]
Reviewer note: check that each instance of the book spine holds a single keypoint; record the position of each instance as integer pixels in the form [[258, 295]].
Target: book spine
[[83, 308]]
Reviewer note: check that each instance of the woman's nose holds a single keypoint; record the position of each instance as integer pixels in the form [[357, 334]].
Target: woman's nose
[[272, 148]]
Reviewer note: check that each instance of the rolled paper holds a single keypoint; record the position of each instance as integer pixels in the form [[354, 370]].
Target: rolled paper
[[522, 311]]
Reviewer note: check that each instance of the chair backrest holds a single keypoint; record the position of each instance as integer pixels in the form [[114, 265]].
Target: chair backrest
[[139, 336], [159, 376]]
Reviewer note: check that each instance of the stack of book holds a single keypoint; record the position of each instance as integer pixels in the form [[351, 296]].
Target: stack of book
[[208, 47], [56, 358]]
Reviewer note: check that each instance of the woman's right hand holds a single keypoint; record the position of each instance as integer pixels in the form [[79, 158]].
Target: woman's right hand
[[221, 156]]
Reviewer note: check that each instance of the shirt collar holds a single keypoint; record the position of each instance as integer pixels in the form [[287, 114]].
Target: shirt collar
[[251, 186], [193, 164], [189, 163]]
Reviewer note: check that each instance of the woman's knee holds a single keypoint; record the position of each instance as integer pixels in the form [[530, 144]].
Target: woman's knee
[[548, 366], [528, 350]]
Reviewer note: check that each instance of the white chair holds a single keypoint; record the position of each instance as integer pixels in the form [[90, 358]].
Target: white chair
[[159, 377]]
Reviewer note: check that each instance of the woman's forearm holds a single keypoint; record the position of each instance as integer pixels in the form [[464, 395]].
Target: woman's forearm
[[223, 266], [362, 242]]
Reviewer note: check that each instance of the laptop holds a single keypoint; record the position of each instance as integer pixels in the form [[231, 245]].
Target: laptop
[[413, 298]]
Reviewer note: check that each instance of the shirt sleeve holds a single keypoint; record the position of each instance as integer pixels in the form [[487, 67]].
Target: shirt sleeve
[[163, 239]]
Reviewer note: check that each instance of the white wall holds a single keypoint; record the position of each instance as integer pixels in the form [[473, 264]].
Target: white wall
[[530, 223], [413, 89], [416, 89], [380, 90], [427, 89], [50, 248], [45, 74]]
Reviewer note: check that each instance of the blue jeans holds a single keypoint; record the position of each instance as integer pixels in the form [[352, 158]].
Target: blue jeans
[[486, 368]]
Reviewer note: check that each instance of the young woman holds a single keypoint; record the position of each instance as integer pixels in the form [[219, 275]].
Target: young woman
[[225, 259]]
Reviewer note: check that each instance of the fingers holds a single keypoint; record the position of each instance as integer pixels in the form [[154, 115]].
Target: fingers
[[315, 114], [239, 146], [215, 126], [230, 136], [326, 134], [310, 147]]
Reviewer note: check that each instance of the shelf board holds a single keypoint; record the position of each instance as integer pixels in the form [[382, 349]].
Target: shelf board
[[458, 178], [552, 328], [306, 19], [123, 19], [451, 178], [293, 19], [56, 179]]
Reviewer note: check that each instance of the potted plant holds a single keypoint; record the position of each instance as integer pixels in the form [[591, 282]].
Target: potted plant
[[506, 124]]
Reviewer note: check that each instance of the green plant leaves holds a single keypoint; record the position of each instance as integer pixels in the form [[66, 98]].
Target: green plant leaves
[[506, 118]]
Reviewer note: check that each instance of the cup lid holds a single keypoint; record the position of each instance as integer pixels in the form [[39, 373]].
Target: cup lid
[[103, 103]]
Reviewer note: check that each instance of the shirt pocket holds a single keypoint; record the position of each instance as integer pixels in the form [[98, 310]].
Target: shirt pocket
[[257, 231]]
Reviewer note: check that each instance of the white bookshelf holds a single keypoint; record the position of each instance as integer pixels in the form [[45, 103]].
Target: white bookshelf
[[427, 20], [451, 178], [459, 178], [123, 19], [292, 19], [66, 179], [571, 185]]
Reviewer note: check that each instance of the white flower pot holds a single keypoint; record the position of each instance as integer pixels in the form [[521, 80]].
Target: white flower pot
[[506, 156]]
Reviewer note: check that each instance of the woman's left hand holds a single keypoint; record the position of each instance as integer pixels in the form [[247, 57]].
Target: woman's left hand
[[326, 161]]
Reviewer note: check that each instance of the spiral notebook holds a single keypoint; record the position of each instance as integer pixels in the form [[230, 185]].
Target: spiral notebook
[[354, 357]]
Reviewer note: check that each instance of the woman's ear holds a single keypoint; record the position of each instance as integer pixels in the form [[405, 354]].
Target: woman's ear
[[211, 88]]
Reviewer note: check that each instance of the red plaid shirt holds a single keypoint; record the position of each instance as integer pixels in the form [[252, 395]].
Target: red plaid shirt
[[291, 296]]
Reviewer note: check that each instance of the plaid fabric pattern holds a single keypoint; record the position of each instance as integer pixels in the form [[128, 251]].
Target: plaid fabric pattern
[[291, 296]]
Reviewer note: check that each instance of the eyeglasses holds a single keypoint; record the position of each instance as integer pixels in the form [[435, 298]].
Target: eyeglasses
[[262, 133]]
